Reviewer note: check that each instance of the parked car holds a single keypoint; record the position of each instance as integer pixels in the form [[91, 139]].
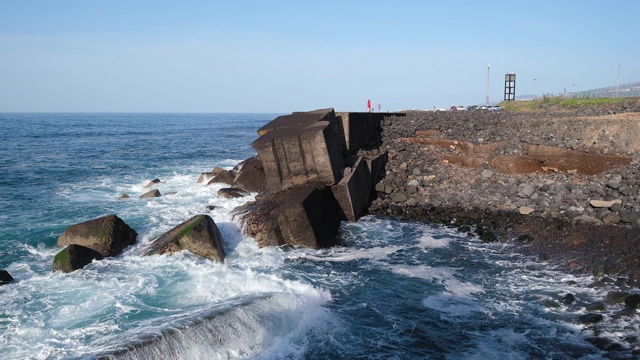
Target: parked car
[[458, 108]]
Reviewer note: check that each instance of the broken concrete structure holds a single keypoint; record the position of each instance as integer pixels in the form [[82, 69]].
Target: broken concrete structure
[[314, 176], [300, 148]]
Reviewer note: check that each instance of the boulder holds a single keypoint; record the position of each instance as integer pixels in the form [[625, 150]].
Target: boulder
[[151, 194], [199, 235], [223, 176], [205, 177], [629, 217], [251, 175], [152, 182], [108, 235], [253, 161], [123, 196], [590, 318], [5, 277], [307, 215], [632, 301], [74, 257], [232, 193]]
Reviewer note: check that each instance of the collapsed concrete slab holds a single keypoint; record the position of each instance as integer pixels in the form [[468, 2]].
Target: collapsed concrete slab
[[308, 152], [315, 178], [376, 165], [353, 191], [307, 215], [298, 118]]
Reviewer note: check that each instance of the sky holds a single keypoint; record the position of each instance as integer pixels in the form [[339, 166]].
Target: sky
[[275, 56]]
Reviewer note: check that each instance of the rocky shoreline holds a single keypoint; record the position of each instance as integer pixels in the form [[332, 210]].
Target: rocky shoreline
[[562, 185]]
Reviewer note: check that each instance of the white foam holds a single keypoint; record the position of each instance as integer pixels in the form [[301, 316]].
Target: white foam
[[345, 254], [119, 299], [427, 241]]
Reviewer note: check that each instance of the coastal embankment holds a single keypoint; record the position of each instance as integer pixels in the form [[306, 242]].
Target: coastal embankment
[[562, 184]]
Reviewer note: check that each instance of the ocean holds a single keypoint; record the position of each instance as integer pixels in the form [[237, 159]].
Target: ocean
[[391, 289]]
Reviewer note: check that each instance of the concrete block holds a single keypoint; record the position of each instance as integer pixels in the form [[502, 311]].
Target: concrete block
[[292, 156], [353, 192], [307, 215]]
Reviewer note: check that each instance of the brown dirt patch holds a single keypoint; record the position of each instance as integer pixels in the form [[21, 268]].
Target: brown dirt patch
[[538, 158]]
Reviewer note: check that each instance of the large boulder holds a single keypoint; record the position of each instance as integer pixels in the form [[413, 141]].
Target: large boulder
[[108, 235], [223, 176], [74, 257], [5, 277], [251, 175], [199, 235]]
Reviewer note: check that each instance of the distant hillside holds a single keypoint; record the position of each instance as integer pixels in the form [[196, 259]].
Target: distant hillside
[[624, 90]]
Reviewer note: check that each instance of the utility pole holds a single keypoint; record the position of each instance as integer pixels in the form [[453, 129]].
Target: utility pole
[[534, 88], [488, 73], [618, 81]]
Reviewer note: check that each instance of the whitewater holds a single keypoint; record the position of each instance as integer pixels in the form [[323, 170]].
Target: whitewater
[[391, 289]]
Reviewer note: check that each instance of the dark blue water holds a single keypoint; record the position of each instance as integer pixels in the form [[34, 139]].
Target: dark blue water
[[391, 290]]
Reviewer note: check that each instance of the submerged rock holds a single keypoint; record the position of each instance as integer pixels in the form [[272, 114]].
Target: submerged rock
[[231, 193], [108, 235], [199, 235], [5, 277], [151, 194], [74, 257], [152, 182], [632, 301], [590, 318]]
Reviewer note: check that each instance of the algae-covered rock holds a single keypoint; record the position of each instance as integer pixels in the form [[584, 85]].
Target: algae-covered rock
[[199, 235], [108, 235], [74, 257]]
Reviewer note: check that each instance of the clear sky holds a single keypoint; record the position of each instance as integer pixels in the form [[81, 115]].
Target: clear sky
[[284, 56]]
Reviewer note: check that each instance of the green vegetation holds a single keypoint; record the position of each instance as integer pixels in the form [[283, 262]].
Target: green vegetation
[[189, 228], [103, 234], [560, 102], [62, 261]]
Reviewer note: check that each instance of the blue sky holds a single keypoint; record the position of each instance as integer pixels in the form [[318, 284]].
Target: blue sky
[[284, 56]]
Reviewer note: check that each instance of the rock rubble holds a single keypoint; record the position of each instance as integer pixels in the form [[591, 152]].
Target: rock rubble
[[568, 181]]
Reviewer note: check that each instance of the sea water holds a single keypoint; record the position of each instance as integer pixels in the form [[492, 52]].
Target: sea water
[[389, 290]]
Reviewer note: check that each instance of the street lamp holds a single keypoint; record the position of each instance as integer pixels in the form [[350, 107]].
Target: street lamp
[[488, 73], [534, 88], [618, 81]]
